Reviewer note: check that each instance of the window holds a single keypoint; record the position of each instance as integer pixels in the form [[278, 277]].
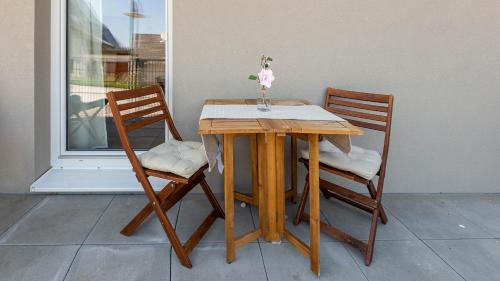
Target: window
[[111, 45]]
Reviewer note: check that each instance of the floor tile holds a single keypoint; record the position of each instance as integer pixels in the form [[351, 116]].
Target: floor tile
[[35, 262], [433, 217], [12, 207], [121, 210], [357, 222], [301, 230], [474, 259], [209, 264], [58, 220], [483, 210], [121, 262], [34, 227], [404, 260], [195, 208], [283, 262]]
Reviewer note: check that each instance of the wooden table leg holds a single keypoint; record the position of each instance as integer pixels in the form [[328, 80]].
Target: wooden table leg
[[229, 196], [260, 179], [280, 185], [314, 220], [293, 155], [255, 169], [267, 174]]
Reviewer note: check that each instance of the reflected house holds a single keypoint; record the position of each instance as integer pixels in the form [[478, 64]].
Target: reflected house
[[142, 65], [124, 68], [149, 54]]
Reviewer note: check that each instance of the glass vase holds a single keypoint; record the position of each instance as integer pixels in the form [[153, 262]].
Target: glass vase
[[264, 101]]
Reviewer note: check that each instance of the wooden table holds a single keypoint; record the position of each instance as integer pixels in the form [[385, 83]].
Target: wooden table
[[268, 136]]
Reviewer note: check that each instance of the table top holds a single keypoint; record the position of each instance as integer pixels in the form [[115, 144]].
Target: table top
[[280, 126]]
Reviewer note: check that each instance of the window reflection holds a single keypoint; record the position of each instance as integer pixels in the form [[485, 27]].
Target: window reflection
[[112, 45]]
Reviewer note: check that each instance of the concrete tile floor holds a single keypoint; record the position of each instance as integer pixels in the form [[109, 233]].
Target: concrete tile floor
[[76, 237]]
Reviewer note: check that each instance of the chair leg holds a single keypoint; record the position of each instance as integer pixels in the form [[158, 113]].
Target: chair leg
[[146, 211], [302, 202], [165, 223], [137, 220], [373, 194], [211, 198], [371, 239], [172, 236]]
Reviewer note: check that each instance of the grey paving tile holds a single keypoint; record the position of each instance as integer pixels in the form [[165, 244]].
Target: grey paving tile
[[209, 264], [404, 260], [121, 262], [58, 220], [283, 262], [121, 210], [483, 210], [194, 209], [474, 259], [357, 222], [12, 207], [433, 217], [302, 230], [35, 262]]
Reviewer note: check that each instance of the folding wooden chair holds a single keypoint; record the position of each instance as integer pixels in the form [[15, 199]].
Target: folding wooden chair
[[369, 111], [150, 107]]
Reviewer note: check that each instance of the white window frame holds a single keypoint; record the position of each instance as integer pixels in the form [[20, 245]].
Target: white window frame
[[61, 158]]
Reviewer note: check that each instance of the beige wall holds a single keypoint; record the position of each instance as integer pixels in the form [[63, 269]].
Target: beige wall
[[25, 93], [16, 91], [440, 59], [42, 87]]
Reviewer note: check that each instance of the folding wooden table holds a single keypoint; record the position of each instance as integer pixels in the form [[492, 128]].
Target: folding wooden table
[[269, 135]]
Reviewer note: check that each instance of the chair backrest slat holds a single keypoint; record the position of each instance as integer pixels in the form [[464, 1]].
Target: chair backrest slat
[[136, 93], [367, 125], [143, 122], [358, 114], [381, 98], [139, 103], [359, 105], [143, 113]]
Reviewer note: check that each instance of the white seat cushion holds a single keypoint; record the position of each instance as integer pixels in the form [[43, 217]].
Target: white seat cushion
[[182, 158], [362, 162]]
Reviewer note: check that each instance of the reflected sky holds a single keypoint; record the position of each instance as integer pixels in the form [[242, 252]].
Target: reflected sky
[[119, 24]]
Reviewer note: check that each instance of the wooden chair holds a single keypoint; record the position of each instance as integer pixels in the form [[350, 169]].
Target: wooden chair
[[148, 107], [369, 111]]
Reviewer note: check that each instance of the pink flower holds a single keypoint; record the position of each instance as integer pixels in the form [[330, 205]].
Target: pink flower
[[266, 77]]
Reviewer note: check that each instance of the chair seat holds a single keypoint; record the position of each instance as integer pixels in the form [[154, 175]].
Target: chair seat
[[362, 162], [182, 158]]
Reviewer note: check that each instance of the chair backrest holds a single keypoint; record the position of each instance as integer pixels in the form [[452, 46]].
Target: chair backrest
[[134, 109], [365, 110]]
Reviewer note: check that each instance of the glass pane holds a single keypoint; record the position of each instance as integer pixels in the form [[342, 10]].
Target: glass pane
[[112, 45]]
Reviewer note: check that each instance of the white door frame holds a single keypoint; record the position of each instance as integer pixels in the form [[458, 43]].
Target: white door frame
[[61, 158]]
